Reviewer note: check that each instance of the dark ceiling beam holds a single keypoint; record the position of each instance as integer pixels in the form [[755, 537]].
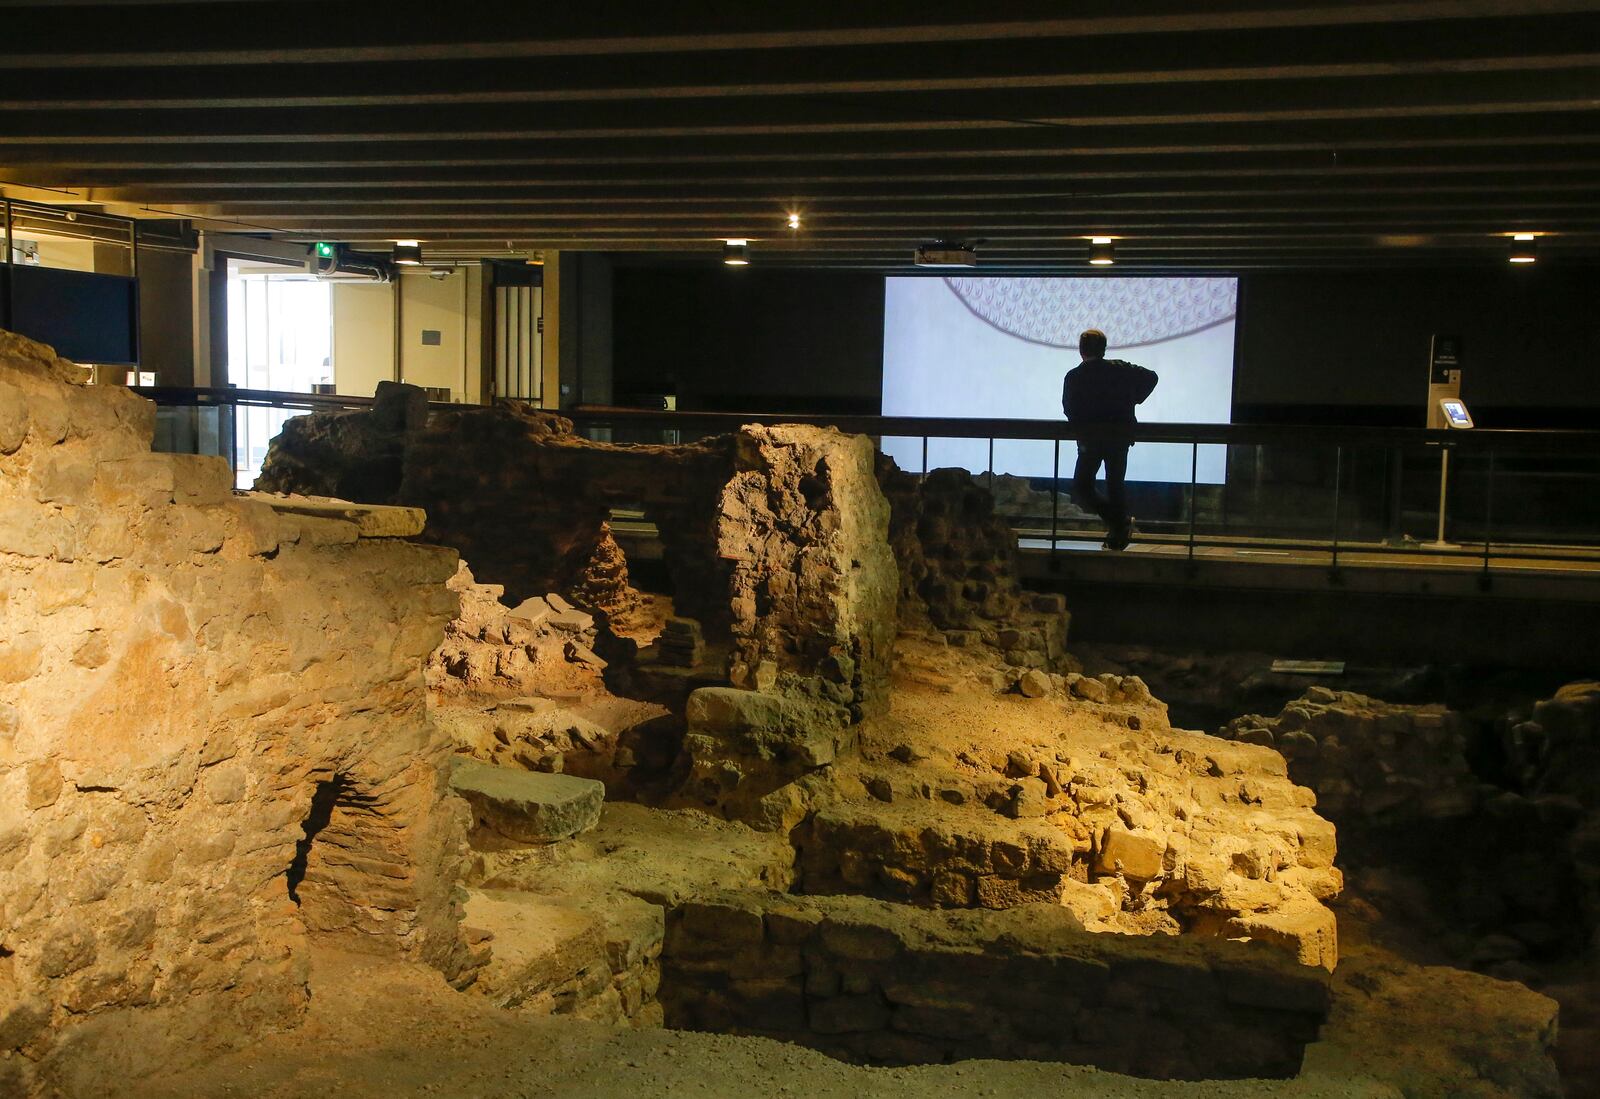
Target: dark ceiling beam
[[1382, 98], [1551, 129], [1249, 187], [342, 34], [1551, 212], [498, 179], [1349, 53]]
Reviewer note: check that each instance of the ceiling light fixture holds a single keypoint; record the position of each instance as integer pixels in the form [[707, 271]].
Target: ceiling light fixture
[[1102, 252], [408, 252], [1524, 248], [794, 221], [736, 253]]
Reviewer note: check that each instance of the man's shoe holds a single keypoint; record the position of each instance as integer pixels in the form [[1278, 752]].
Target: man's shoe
[[1119, 538]]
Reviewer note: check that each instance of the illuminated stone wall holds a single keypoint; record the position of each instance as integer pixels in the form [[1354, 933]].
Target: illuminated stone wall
[[775, 537], [881, 983], [213, 739]]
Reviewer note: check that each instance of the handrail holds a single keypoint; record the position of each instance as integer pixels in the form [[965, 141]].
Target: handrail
[[178, 396], [935, 427], [1337, 443], [1504, 440]]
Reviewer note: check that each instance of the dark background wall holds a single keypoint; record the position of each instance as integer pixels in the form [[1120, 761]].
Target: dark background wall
[[1356, 344], [742, 340], [1313, 346], [166, 314]]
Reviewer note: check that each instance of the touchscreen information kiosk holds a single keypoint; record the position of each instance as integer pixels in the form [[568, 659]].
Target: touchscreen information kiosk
[[1455, 412]]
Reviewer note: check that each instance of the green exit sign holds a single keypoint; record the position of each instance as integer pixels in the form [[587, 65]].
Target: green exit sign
[[324, 250]]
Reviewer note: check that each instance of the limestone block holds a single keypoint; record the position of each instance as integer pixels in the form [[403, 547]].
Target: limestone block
[[1090, 690], [33, 530], [13, 418], [1137, 854], [370, 521], [1034, 683], [200, 479], [527, 806]]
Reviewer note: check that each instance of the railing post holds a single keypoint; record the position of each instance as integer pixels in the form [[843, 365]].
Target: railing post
[[924, 457], [1055, 490], [1488, 518], [1194, 480], [1338, 484], [990, 470]]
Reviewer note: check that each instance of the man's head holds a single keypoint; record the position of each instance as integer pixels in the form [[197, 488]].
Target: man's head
[[1092, 344]]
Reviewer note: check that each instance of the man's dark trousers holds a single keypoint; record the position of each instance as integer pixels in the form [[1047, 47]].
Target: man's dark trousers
[[1113, 507]]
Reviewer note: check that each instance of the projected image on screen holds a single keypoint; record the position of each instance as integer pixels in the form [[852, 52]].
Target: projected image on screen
[[999, 347]]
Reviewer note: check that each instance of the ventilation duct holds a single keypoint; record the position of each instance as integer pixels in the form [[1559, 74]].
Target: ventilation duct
[[347, 266]]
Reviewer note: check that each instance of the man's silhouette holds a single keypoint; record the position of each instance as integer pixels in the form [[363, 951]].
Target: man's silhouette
[[1099, 392]]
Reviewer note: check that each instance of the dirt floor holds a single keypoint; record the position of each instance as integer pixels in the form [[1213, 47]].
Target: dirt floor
[[381, 1031]]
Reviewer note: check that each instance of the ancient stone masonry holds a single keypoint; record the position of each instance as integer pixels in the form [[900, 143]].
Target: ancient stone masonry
[[213, 739], [774, 537], [1555, 752], [1083, 796], [958, 568], [875, 982], [1369, 761], [805, 527]]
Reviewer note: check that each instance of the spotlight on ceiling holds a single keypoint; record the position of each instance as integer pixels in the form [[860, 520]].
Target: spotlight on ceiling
[[1524, 248], [408, 252], [794, 221], [1102, 252], [736, 253]]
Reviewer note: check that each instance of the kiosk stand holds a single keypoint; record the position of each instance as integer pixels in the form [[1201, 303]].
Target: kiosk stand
[[1454, 412], [1446, 410]]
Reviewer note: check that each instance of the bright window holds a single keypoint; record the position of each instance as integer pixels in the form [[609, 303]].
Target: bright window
[[280, 337]]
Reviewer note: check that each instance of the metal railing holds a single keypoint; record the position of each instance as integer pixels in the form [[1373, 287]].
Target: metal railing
[[1521, 497], [1340, 494]]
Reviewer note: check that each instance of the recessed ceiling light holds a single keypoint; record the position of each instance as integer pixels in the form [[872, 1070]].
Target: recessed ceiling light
[[1102, 253], [1524, 249], [1524, 236], [736, 253], [794, 221], [1099, 240], [408, 252]]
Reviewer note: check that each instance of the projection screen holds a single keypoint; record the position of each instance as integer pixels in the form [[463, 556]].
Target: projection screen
[[998, 347]]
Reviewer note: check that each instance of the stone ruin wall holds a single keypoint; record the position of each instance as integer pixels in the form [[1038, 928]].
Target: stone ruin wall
[[872, 982], [190, 681], [957, 559], [775, 537]]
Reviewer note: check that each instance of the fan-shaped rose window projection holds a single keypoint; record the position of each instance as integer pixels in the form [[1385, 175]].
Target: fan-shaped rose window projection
[[1132, 312]]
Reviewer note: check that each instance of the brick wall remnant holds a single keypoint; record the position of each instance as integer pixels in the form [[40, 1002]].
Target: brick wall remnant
[[213, 738]]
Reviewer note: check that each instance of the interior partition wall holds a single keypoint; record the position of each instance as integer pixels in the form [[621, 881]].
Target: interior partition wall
[[515, 325]]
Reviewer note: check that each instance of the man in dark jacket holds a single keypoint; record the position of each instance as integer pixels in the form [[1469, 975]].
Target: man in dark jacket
[[1098, 392]]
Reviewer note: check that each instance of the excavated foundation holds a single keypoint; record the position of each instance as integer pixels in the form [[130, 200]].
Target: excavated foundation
[[877, 983]]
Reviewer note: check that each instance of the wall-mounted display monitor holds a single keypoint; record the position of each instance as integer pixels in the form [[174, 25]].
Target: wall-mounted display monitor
[[86, 316], [975, 346]]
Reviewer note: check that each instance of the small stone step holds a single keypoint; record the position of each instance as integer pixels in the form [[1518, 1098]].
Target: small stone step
[[527, 806]]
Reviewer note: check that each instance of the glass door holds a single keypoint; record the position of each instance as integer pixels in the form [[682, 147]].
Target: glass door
[[280, 338]]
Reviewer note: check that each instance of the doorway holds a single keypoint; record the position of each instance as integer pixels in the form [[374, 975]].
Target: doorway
[[280, 338]]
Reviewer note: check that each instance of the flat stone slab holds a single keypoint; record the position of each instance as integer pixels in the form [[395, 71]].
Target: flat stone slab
[[371, 520], [527, 806]]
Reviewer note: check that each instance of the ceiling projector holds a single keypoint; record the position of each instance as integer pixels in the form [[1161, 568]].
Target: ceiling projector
[[944, 253]]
